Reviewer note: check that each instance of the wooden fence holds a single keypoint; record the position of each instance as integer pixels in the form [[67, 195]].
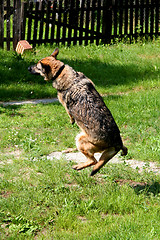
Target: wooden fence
[[77, 22]]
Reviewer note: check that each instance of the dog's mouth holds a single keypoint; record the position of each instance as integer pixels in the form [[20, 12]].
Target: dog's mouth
[[32, 70]]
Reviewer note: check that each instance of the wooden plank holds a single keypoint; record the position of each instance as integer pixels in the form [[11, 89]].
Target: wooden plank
[[65, 14], [126, 18], [35, 25], [157, 17], [92, 20], [76, 14], [136, 18], [115, 18], [131, 21], [41, 23], [98, 22], [147, 18], [59, 22], [120, 17], [1, 23], [71, 17], [87, 22], [8, 24], [23, 22], [142, 17], [16, 22], [48, 5], [107, 21], [29, 21], [81, 21], [53, 21], [152, 18]]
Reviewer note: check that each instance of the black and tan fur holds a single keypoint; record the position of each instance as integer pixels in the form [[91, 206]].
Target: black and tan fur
[[84, 105]]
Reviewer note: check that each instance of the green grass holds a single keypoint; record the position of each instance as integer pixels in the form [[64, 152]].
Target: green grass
[[49, 200], [113, 69], [44, 199]]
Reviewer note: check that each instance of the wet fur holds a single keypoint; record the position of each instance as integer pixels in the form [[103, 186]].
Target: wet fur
[[86, 107]]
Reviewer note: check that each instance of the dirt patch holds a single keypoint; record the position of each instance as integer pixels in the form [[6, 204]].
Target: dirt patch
[[78, 157]]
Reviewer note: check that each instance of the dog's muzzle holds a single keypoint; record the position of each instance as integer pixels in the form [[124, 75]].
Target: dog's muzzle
[[32, 70]]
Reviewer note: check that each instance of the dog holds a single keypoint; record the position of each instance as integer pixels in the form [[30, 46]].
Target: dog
[[85, 106]]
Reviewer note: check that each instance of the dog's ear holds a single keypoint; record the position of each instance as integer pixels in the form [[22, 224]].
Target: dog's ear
[[46, 67], [55, 53]]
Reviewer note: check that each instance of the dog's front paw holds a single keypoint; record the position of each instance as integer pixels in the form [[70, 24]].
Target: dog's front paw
[[72, 121], [76, 167]]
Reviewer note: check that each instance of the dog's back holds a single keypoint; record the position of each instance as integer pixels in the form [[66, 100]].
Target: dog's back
[[90, 112]]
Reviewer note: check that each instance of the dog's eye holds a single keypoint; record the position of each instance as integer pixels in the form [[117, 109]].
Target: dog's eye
[[39, 69]]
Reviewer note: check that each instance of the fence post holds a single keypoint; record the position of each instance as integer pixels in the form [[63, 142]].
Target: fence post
[[107, 21], [1, 23], [16, 22]]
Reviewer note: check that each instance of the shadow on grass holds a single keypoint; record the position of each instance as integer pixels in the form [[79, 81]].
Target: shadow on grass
[[141, 187], [11, 110], [153, 188], [106, 74], [17, 83]]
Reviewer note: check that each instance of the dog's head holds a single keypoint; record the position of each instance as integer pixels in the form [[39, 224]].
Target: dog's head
[[48, 67]]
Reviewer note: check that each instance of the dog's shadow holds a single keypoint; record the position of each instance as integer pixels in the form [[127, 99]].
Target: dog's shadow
[[109, 74], [11, 110], [141, 187], [152, 188]]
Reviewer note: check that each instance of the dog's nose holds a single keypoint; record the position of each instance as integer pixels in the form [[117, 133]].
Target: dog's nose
[[30, 69]]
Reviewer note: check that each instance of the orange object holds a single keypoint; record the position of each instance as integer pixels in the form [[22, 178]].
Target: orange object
[[22, 46]]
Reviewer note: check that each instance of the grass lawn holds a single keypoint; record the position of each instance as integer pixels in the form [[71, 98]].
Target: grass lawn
[[44, 199]]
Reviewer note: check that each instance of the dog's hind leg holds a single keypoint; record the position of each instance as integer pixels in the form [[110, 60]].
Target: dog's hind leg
[[88, 149], [105, 157], [90, 161]]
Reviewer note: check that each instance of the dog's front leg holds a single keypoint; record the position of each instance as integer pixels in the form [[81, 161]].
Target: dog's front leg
[[72, 120], [60, 97]]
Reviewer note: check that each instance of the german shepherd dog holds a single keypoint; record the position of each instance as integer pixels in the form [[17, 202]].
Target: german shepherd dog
[[86, 107]]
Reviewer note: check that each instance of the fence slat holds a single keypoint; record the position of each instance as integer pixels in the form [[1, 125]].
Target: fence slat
[[126, 18], [146, 16], [29, 21], [115, 18], [1, 23], [92, 21], [47, 21], [157, 17], [35, 24], [120, 17], [98, 21], [23, 22], [76, 18], [87, 22], [81, 22], [152, 18], [59, 22], [16, 22], [53, 21], [107, 21], [65, 20], [8, 24], [131, 21], [136, 18], [41, 23], [142, 17]]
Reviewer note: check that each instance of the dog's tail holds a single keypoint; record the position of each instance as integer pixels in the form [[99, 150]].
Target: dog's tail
[[124, 151]]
